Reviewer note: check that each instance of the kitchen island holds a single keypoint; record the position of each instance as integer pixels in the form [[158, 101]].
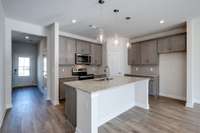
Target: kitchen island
[[98, 100]]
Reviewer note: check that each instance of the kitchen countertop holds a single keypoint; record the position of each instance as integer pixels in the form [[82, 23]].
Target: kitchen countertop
[[91, 86]]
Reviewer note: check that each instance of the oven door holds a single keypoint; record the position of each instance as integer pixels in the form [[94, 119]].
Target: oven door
[[83, 59]]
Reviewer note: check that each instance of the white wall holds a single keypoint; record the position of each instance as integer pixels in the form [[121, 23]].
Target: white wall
[[117, 56], [172, 70], [2, 87], [193, 62]]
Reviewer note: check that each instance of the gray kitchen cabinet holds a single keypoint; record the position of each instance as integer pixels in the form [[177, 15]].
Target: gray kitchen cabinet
[[134, 54], [62, 86], [83, 47], [96, 54], [154, 86], [67, 49], [175, 43], [149, 54], [178, 42]]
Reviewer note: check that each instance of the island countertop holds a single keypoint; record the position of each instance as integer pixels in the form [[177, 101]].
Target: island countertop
[[95, 85]]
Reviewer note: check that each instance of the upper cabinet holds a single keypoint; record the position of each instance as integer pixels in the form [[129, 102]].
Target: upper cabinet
[[149, 54], [175, 43], [96, 54], [134, 54], [67, 50], [83, 47]]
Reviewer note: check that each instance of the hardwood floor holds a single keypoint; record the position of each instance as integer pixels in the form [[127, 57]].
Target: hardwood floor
[[32, 114]]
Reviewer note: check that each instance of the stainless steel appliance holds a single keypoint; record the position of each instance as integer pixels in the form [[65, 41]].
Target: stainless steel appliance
[[81, 59], [82, 73]]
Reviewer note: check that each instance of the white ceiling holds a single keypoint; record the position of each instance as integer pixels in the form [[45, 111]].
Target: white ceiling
[[145, 14], [20, 37]]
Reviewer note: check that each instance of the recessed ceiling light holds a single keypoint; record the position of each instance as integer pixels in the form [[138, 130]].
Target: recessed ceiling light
[[74, 21], [27, 37], [162, 21], [128, 18], [116, 10], [92, 26]]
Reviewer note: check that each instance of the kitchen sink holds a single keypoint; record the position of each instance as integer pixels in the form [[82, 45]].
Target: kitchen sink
[[103, 79]]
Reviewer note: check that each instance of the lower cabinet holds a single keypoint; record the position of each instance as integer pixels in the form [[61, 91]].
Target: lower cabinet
[[62, 86], [154, 86]]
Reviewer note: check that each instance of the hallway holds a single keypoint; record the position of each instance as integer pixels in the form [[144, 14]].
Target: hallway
[[32, 114]]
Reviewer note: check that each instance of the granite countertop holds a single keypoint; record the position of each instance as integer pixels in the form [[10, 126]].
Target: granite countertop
[[91, 86], [143, 75]]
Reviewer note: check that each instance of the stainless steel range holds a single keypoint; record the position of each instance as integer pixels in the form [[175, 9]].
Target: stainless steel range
[[82, 73]]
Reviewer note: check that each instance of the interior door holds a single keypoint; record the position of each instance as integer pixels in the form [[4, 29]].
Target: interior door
[[22, 73]]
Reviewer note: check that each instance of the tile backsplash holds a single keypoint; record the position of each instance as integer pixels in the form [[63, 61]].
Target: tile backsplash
[[66, 71]]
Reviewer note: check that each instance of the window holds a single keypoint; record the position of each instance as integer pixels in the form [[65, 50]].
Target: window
[[23, 66], [44, 66]]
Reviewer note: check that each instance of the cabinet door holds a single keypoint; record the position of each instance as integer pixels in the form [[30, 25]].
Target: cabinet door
[[96, 54], [67, 49], [178, 43], [71, 50], [134, 54], [83, 47], [62, 51], [149, 55], [164, 45]]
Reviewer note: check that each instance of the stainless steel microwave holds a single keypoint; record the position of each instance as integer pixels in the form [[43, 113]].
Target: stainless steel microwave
[[82, 59]]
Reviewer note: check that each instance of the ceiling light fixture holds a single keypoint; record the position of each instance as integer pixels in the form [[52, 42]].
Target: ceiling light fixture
[[74, 21], [162, 21], [27, 37], [128, 18], [92, 26], [128, 44], [116, 41]]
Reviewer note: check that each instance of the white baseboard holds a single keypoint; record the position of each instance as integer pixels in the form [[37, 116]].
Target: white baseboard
[[2, 119], [55, 103], [196, 101], [173, 96], [189, 105], [8, 106]]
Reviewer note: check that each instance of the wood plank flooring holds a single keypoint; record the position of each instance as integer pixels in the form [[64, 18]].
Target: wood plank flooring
[[32, 114]]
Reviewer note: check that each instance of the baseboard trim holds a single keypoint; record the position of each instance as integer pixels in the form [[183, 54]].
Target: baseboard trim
[[55, 103], [173, 97], [8, 106], [2, 119], [189, 105]]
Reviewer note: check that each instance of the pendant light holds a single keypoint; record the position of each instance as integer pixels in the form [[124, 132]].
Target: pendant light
[[116, 41], [100, 36]]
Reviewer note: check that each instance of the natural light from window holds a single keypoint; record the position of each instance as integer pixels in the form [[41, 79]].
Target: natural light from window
[[23, 66]]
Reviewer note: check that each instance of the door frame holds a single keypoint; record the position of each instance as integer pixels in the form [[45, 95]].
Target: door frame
[[14, 25]]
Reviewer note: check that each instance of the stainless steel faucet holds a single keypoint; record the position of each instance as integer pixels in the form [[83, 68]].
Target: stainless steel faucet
[[107, 71]]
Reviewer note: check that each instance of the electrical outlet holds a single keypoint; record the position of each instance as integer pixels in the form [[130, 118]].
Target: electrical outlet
[[151, 69], [63, 70], [136, 68]]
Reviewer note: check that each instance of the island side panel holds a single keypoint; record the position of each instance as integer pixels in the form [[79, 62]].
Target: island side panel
[[142, 94], [115, 101], [70, 104], [87, 112]]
